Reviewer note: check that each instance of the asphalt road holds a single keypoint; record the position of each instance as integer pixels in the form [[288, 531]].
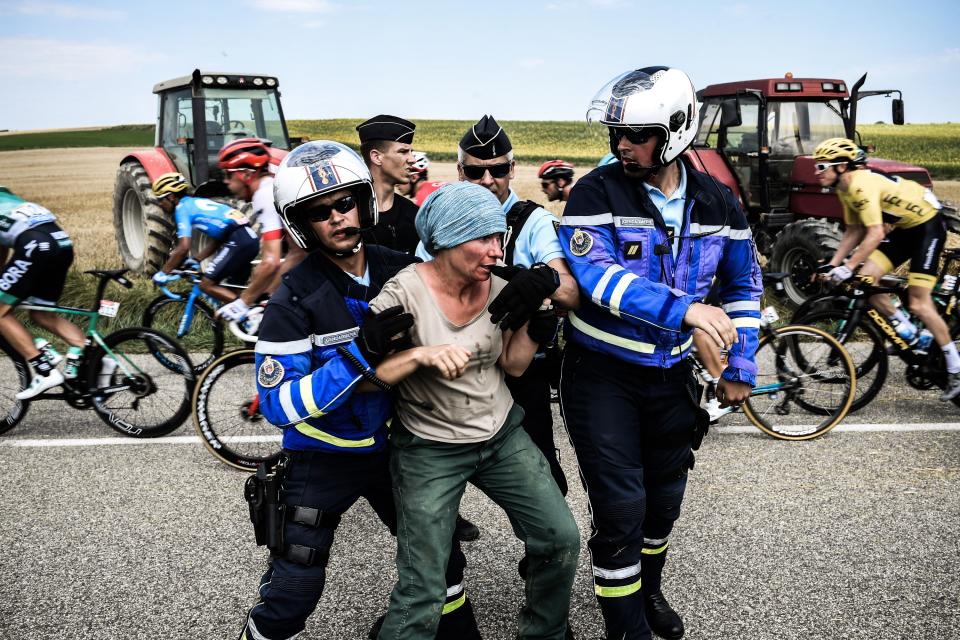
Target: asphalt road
[[851, 536]]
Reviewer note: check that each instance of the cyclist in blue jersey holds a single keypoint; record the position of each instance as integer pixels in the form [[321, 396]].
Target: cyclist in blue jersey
[[228, 232], [36, 273]]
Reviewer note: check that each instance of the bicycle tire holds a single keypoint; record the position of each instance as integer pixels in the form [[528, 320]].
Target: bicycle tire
[[823, 380], [14, 376], [866, 346], [221, 414], [204, 341], [145, 397]]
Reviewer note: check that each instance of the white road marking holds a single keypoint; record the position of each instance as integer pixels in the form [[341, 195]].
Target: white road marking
[[101, 442], [861, 428]]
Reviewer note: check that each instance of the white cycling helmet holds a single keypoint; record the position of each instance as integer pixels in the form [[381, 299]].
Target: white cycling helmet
[[660, 98], [420, 161], [316, 168]]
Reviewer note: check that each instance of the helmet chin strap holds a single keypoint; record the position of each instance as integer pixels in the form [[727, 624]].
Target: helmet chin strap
[[350, 231]]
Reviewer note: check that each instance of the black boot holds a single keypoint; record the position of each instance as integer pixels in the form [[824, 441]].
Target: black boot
[[375, 629], [465, 530], [661, 617]]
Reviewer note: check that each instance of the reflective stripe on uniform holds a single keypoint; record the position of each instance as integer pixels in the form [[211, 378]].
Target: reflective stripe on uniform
[[306, 396], [618, 292], [720, 231], [456, 604], [304, 387], [626, 343], [587, 221], [746, 323], [283, 348], [653, 551], [742, 305], [329, 438], [617, 592], [597, 295], [616, 574]]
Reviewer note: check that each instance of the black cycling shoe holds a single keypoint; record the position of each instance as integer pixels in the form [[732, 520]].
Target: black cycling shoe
[[661, 617], [465, 530]]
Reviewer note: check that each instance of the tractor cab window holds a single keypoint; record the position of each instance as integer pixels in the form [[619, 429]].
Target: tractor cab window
[[796, 128], [241, 113], [740, 144], [176, 127]]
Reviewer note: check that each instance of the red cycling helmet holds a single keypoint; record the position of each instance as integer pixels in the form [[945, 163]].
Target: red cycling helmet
[[554, 169], [245, 153]]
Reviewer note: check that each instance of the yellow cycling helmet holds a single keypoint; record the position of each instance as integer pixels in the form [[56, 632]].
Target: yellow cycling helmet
[[168, 183], [838, 150]]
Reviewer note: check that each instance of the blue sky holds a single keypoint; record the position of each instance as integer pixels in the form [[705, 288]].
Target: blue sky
[[65, 63]]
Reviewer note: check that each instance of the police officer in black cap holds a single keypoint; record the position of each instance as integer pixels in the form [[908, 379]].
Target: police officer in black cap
[[386, 147]]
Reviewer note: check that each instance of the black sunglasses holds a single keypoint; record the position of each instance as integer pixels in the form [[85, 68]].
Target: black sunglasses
[[635, 136], [476, 171], [321, 212]]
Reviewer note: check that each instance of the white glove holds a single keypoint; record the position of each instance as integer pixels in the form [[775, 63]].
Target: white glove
[[840, 274], [234, 311]]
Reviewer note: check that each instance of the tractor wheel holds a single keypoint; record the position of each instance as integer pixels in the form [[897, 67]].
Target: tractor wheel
[[144, 232], [799, 249]]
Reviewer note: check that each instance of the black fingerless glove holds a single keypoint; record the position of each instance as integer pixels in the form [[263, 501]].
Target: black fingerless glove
[[383, 333], [542, 327], [523, 295]]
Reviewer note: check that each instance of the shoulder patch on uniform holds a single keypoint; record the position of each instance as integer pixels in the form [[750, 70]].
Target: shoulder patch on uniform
[[270, 373], [580, 242]]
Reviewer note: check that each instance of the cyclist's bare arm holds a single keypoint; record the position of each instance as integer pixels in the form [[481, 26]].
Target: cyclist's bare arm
[[264, 274], [180, 251]]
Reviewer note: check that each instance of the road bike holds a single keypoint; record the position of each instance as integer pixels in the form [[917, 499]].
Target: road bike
[[226, 413], [803, 373], [194, 316], [846, 313], [138, 380]]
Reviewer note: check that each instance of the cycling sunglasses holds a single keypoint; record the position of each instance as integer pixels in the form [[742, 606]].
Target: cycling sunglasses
[[823, 166], [476, 171], [322, 212], [635, 136]]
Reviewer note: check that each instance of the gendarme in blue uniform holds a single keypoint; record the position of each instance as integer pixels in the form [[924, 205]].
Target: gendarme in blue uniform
[[635, 297], [306, 386]]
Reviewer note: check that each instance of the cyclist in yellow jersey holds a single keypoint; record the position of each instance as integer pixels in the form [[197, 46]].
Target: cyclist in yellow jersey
[[888, 222]]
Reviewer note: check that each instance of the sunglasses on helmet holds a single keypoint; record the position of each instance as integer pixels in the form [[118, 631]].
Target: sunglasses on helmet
[[322, 212], [634, 136], [823, 166], [476, 171]]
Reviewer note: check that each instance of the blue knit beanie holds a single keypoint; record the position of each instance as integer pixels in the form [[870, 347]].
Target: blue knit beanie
[[457, 213]]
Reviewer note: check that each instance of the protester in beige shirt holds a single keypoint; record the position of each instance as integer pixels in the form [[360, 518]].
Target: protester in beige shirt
[[456, 422]]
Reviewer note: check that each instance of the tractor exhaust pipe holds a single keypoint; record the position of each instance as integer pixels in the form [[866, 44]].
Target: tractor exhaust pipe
[[854, 98]]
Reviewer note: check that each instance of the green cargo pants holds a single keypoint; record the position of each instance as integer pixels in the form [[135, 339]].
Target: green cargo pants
[[429, 480]]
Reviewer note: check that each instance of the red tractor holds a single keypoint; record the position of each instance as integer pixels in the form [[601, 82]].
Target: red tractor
[[758, 137], [197, 115]]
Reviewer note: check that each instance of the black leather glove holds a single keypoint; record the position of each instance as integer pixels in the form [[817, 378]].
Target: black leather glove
[[523, 295], [383, 333], [542, 327]]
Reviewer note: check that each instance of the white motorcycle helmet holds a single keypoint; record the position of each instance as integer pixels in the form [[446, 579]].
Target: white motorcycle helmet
[[653, 97], [316, 168]]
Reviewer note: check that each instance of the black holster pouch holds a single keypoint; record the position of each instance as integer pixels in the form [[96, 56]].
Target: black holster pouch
[[702, 424], [262, 493]]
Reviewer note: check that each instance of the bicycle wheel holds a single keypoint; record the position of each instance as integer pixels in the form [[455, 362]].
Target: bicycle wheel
[[805, 368], [203, 338], [227, 416], [866, 346], [14, 376], [143, 389]]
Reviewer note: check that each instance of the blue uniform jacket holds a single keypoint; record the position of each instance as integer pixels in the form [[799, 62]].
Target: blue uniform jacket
[[634, 294], [306, 387]]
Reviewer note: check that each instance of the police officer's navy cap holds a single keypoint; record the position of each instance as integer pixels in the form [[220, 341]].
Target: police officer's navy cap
[[486, 140], [384, 127]]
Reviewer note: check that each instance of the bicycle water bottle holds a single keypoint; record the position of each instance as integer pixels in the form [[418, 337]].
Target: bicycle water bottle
[[107, 366], [947, 285], [905, 331], [923, 341], [49, 353]]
